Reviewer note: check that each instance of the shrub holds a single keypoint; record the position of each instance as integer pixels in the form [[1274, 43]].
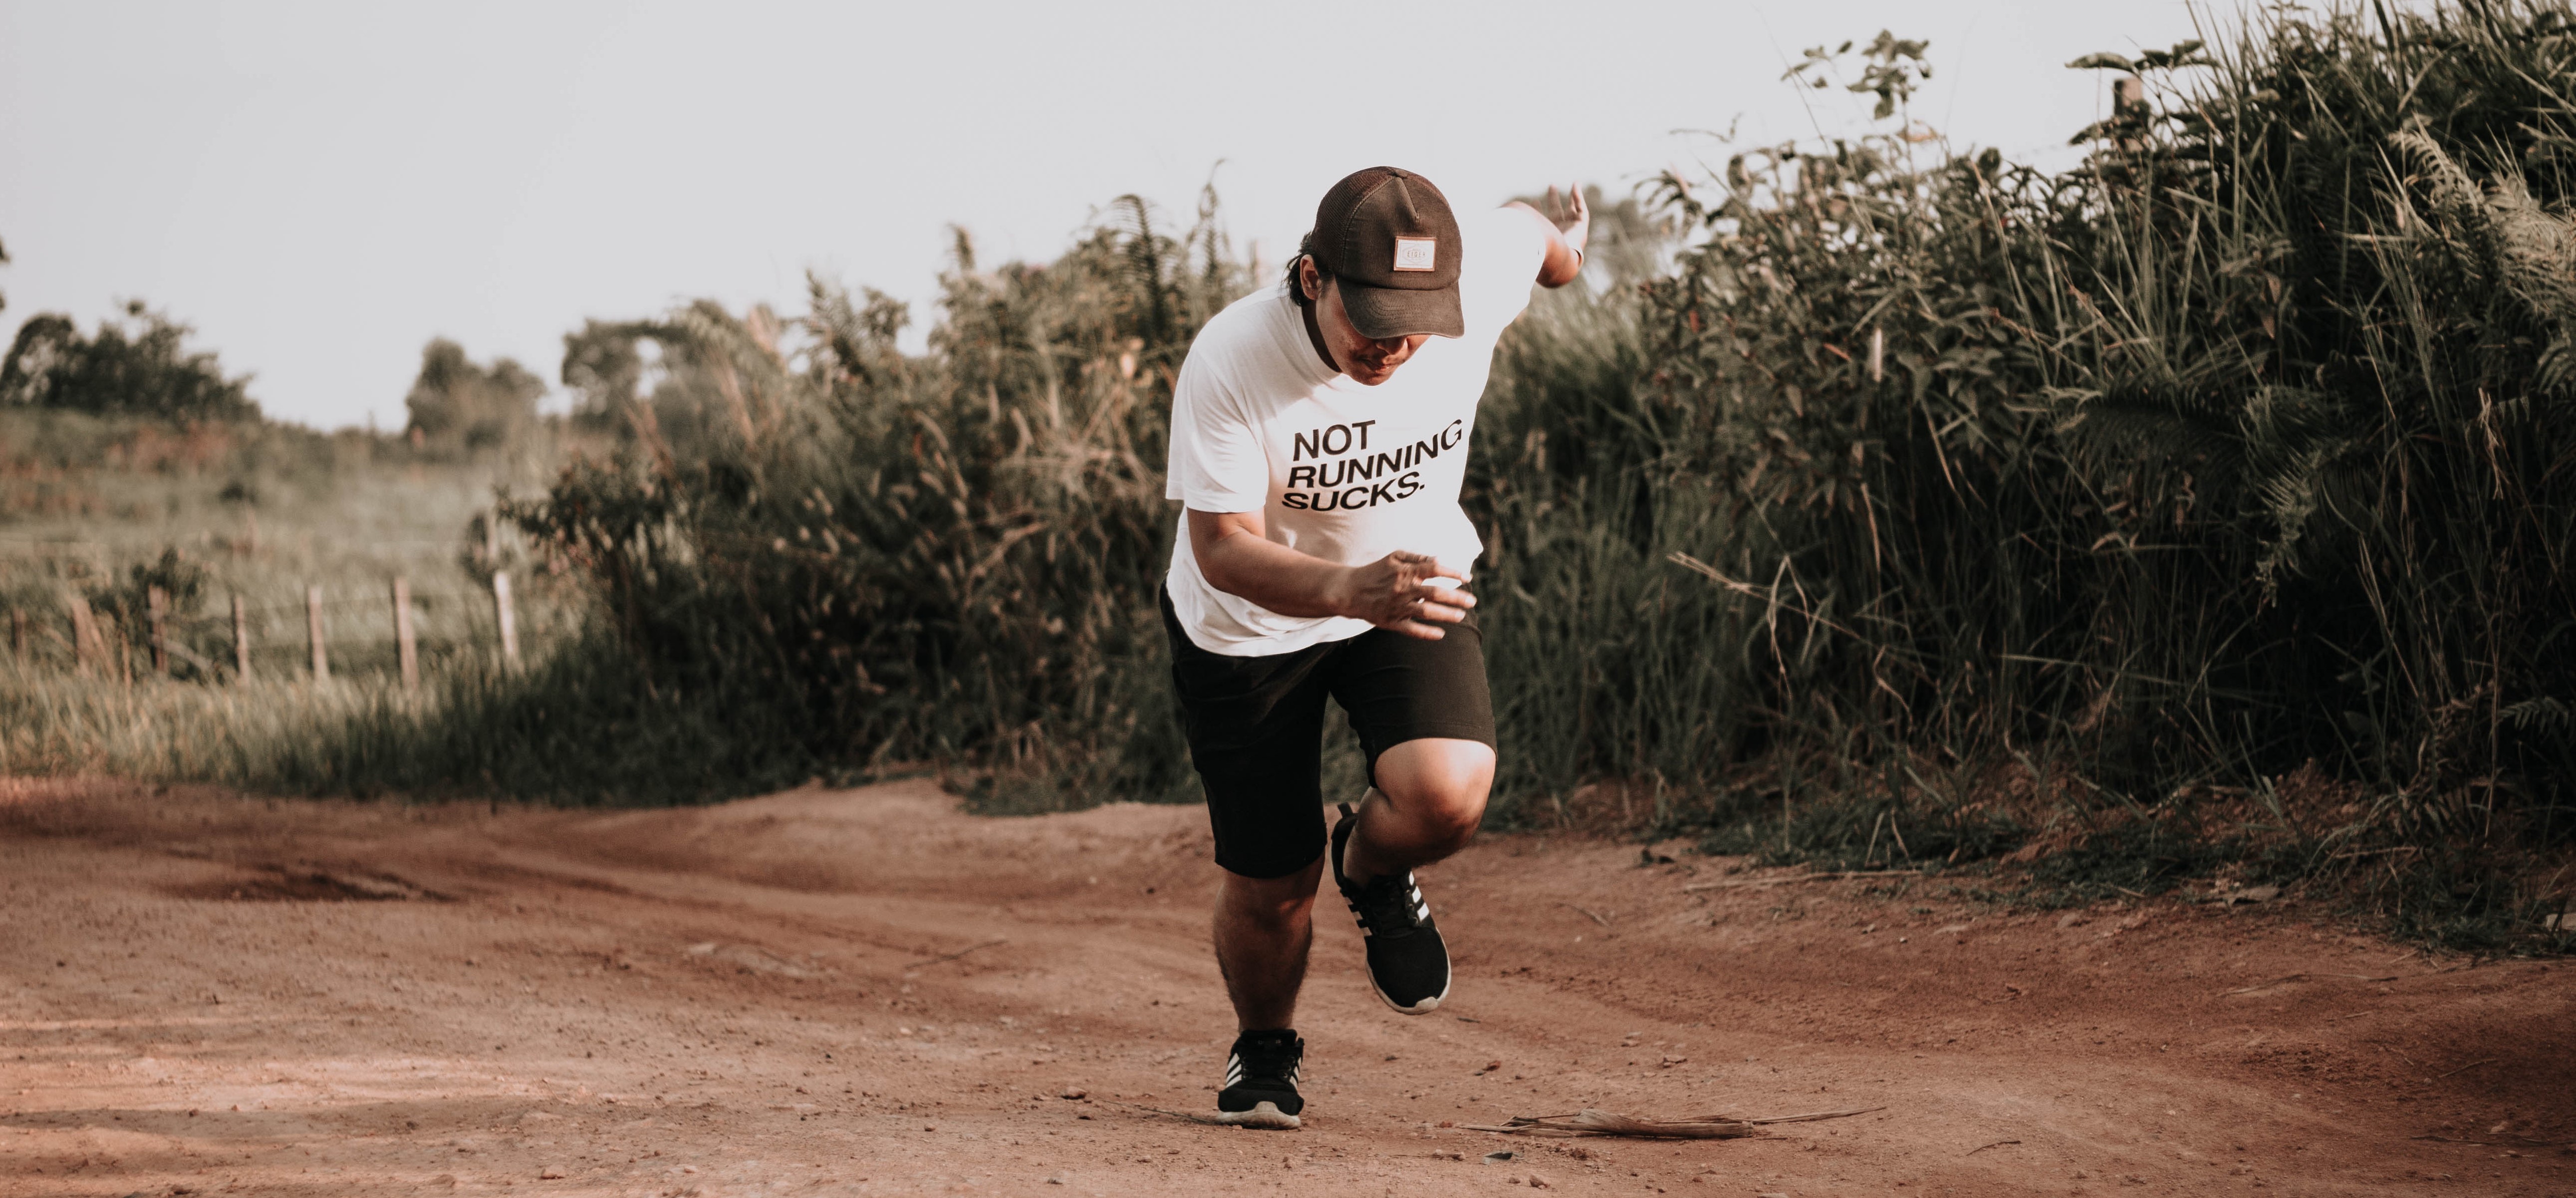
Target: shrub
[[122, 369], [950, 557], [2241, 446], [456, 405]]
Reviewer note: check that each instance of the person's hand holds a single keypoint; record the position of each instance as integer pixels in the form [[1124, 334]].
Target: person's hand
[[1572, 216], [1397, 593]]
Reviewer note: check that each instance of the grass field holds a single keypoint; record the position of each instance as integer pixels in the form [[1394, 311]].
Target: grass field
[[102, 507]]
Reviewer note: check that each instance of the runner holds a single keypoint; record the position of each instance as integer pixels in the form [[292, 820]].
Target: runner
[[1323, 553]]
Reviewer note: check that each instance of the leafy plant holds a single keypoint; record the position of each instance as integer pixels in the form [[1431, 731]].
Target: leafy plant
[[2239, 447], [457, 405], [120, 369], [949, 557]]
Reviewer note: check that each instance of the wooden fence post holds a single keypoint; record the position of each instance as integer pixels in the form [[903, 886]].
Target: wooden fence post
[[403, 644], [509, 620], [156, 607], [241, 640], [86, 645], [313, 630]]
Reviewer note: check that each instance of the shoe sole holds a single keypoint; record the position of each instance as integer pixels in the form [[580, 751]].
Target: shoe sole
[[1264, 1116], [1425, 1007]]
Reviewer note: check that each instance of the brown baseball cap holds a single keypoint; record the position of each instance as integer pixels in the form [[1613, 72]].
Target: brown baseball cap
[[1388, 237]]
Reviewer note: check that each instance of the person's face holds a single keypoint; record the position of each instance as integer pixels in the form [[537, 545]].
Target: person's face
[[1368, 360]]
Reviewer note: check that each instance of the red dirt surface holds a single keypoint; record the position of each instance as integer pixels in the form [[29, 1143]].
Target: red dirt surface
[[869, 992]]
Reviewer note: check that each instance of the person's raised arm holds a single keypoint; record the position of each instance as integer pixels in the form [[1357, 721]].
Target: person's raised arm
[[1236, 556], [1568, 231]]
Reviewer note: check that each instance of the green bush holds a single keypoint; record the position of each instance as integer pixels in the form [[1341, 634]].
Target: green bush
[[950, 557], [136, 367], [456, 405], [2241, 447]]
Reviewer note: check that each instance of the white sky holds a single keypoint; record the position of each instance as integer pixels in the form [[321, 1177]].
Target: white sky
[[321, 188]]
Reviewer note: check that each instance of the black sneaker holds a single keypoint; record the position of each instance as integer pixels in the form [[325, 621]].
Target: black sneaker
[[1261, 1081], [1408, 963]]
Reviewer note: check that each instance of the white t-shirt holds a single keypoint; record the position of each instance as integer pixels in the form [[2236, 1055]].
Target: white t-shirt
[[1340, 471]]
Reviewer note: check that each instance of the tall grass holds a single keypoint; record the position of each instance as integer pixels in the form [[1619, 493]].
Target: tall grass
[[1606, 661], [580, 725], [2243, 447]]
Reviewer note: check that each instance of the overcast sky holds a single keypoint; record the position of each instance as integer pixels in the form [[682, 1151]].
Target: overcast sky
[[321, 188]]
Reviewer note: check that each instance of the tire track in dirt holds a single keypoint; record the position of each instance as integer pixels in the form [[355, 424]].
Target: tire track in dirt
[[750, 999]]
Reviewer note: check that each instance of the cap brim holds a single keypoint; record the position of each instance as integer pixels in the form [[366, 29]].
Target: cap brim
[[1386, 313]]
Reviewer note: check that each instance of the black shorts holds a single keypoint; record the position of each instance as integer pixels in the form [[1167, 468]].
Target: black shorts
[[1256, 727]]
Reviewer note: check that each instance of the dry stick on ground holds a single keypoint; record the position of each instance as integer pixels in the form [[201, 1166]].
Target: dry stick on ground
[[1997, 1144], [2292, 977], [1595, 918], [1607, 1123], [2465, 1068], [1823, 877], [959, 953], [1809, 1117]]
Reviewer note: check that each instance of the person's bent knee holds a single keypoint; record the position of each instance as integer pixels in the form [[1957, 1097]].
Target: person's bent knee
[[1439, 785], [1451, 824]]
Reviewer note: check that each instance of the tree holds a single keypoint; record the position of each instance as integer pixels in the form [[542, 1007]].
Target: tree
[[137, 366], [603, 367], [456, 404], [708, 376]]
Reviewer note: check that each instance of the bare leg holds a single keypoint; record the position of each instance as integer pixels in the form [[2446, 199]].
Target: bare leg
[[1263, 928], [1430, 795]]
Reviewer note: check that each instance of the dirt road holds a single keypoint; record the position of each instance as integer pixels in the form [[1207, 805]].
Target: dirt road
[[866, 992]]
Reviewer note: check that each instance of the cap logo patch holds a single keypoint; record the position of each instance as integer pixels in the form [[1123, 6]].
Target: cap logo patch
[[1416, 253]]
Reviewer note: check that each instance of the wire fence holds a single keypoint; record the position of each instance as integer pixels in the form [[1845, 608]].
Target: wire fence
[[330, 630]]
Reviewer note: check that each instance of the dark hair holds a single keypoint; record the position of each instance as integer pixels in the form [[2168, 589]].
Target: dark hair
[[1323, 273]]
